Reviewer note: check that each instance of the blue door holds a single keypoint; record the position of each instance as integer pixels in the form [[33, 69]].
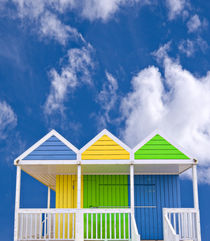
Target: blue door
[[146, 206], [152, 194]]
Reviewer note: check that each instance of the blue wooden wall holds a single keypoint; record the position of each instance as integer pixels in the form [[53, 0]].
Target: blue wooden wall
[[52, 149], [156, 192]]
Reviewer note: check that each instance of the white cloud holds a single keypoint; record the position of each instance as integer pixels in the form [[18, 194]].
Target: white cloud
[[89, 9], [42, 13], [202, 44], [194, 23], [204, 175], [187, 47], [8, 119], [29, 8], [63, 5], [143, 107], [176, 7], [52, 27], [104, 10], [45, 16], [107, 98], [3, 4], [75, 73], [94, 9], [177, 102], [162, 52]]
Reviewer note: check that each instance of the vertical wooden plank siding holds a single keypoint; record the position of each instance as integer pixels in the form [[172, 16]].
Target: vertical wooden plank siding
[[159, 148], [152, 194], [66, 191], [105, 191], [66, 197], [52, 149], [105, 149]]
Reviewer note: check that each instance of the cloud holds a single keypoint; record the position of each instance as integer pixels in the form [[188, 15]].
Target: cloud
[[52, 27], [176, 102], [104, 10], [107, 99], [194, 24], [176, 7], [143, 108], [14, 145], [44, 17], [8, 119], [29, 8], [94, 9], [63, 6], [203, 45], [89, 9], [162, 52], [189, 47], [3, 4], [72, 75]]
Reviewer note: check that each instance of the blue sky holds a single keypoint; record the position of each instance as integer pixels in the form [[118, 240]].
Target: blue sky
[[130, 66]]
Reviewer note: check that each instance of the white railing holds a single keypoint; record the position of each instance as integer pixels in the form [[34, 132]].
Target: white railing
[[80, 224], [107, 224], [46, 224], [169, 232], [134, 231], [183, 222]]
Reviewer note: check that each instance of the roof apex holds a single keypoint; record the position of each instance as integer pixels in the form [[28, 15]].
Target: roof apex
[[42, 140], [162, 134], [98, 136]]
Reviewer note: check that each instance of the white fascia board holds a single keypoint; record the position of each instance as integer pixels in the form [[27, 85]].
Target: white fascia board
[[161, 133], [47, 162], [164, 161], [180, 148], [105, 162], [149, 137], [42, 140], [108, 162], [109, 134], [66, 142]]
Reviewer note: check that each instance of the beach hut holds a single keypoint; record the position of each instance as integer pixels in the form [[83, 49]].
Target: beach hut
[[107, 191]]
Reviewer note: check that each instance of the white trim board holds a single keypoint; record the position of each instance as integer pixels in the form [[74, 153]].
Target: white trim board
[[41, 141], [109, 134], [162, 134], [164, 161], [105, 162], [108, 162], [47, 162]]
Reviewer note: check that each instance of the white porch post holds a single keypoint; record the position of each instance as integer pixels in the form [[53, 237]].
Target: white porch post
[[79, 186], [79, 215], [132, 187], [195, 196], [195, 187], [17, 202], [48, 198]]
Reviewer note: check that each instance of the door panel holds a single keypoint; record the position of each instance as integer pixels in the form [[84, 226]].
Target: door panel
[[146, 207], [105, 191], [152, 194], [66, 197]]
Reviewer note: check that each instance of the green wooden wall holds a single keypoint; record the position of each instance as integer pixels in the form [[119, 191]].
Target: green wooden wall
[[101, 191], [159, 148]]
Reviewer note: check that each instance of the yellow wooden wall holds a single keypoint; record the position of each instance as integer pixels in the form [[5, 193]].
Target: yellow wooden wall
[[66, 191], [105, 149], [66, 197]]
